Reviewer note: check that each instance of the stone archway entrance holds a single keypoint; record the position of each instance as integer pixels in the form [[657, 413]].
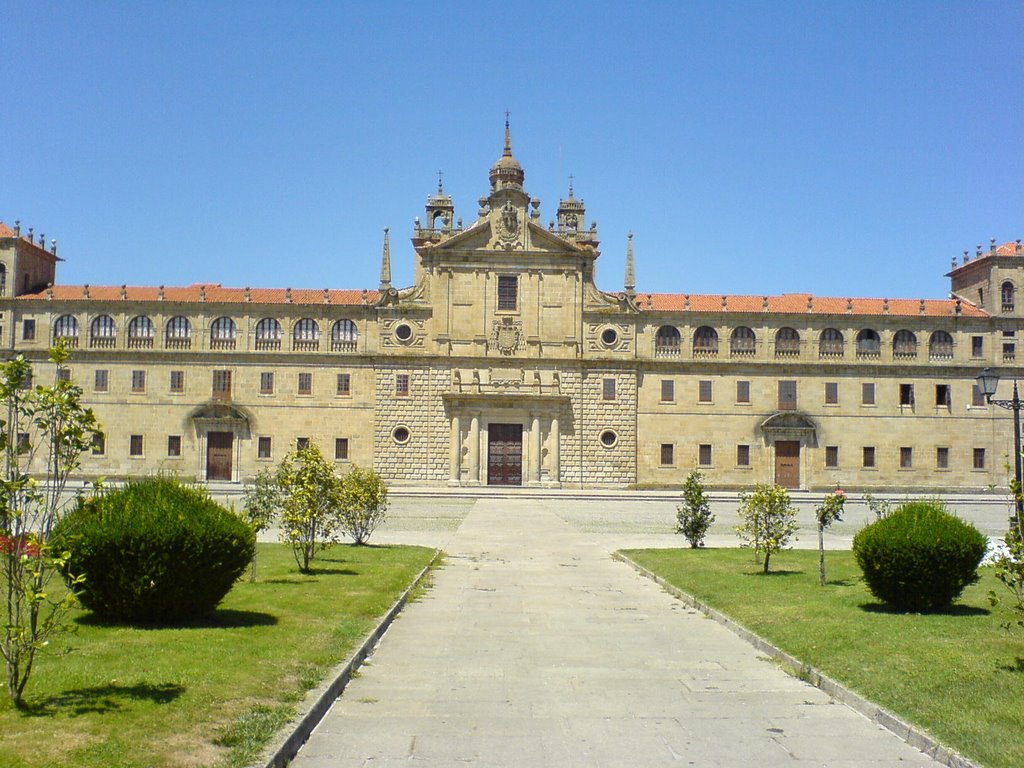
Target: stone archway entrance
[[505, 454]]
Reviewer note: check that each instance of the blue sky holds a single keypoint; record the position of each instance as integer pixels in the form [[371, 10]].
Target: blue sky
[[839, 148]]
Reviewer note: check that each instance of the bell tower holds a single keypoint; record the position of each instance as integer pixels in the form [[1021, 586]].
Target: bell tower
[[440, 209]]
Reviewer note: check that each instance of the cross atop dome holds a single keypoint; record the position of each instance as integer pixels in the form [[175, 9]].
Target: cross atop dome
[[507, 173]]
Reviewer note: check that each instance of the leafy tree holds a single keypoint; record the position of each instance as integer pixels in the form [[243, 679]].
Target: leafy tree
[[828, 512], [261, 504], [769, 521], [310, 503], [364, 503], [46, 429], [694, 515], [1008, 564]]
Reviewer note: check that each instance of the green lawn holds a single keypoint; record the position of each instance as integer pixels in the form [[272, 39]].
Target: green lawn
[[958, 674], [210, 694]]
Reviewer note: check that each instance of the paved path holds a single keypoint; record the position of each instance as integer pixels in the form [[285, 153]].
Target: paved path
[[533, 648]]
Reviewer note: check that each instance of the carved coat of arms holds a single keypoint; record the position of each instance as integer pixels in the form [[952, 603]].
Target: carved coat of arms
[[507, 335]]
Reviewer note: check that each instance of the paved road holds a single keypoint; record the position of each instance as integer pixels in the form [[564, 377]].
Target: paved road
[[534, 648]]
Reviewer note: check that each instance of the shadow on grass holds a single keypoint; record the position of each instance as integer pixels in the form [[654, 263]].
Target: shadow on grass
[[952, 610], [1017, 666], [102, 699], [781, 572], [222, 618], [840, 582]]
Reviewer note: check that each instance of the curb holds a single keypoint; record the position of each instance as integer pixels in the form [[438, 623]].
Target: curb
[[912, 735], [320, 699]]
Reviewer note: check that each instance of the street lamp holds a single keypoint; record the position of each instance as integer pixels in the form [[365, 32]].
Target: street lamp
[[988, 380]]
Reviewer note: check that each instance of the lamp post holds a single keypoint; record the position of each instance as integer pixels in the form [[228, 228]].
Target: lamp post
[[988, 380]]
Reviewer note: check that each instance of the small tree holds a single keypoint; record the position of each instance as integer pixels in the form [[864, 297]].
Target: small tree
[[364, 503], [49, 423], [310, 503], [769, 521], [1008, 564], [261, 504], [694, 515], [828, 512]]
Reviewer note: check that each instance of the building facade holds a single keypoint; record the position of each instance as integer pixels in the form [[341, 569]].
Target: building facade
[[504, 364]]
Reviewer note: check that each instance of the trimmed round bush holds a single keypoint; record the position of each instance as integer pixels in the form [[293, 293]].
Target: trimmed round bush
[[919, 558], [153, 552]]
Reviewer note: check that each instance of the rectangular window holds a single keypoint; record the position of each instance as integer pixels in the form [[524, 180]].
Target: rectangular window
[[1009, 352], [942, 458], [608, 392], [23, 445], [135, 445], [787, 395], [977, 346], [101, 381], [907, 394], [174, 445], [26, 383], [63, 374], [301, 443], [177, 381], [831, 456], [99, 444], [222, 385], [341, 449], [867, 393], [743, 455], [977, 396], [979, 458], [28, 330], [742, 391], [138, 381], [344, 384], [507, 292], [263, 448], [831, 393], [869, 456], [668, 390], [667, 454], [704, 455], [704, 391], [401, 385], [906, 457], [266, 383], [943, 396], [305, 383]]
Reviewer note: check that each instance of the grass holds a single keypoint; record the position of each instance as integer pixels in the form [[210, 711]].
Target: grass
[[958, 673], [211, 693]]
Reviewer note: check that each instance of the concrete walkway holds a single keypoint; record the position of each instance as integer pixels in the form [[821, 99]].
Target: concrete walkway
[[534, 648]]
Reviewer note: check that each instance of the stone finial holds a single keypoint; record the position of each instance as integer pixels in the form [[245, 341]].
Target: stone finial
[[248, 294], [977, 250], [49, 291], [202, 293], [764, 303], [124, 291], [849, 306], [885, 306], [288, 295], [1017, 248], [327, 296], [650, 299], [967, 256], [17, 227], [954, 262], [810, 303], [630, 283], [42, 240], [992, 245], [957, 308], [921, 308], [160, 293], [366, 298], [385, 263], [725, 302], [53, 247], [686, 301]]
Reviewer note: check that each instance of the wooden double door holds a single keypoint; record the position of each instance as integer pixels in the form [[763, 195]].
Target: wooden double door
[[220, 447], [505, 454], [787, 463]]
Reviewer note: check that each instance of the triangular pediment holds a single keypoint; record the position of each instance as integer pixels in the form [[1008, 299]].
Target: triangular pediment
[[511, 235]]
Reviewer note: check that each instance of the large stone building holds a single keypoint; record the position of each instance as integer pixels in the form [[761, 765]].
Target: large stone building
[[504, 364]]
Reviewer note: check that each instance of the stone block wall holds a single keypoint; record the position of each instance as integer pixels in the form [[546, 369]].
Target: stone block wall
[[423, 458]]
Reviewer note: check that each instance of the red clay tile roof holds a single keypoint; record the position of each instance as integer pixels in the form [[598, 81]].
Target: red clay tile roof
[[803, 303], [6, 231], [1006, 249], [214, 294]]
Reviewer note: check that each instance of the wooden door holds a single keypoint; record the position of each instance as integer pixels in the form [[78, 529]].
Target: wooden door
[[787, 463], [505, 454], [219, 447]]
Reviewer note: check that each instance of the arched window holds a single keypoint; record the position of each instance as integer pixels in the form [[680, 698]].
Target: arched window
[[306, 335], [787, 342], [830, 343], [178, 334], [102, 331], [3, 279], [705, 341], [743, 342], [667, 341], [869, 343], [1007, 294], [140, 333], [66, 328], [904, 344], [222, 333], [344, 336], [268, 334], [940, 346]]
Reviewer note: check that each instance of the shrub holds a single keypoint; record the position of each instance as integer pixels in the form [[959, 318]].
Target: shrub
[[154, 551], [694, 515], [919, 557], [364, 503], [769, 521]]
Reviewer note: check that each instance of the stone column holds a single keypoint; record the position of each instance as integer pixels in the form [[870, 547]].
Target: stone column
[[533, 475], [553, 455], [455, 453], [474, 450]]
